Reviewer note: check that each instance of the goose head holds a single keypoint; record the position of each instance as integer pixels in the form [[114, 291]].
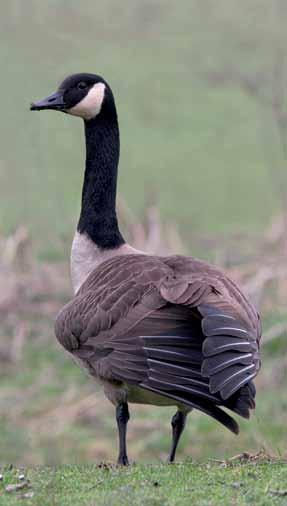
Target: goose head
[[84, 95]]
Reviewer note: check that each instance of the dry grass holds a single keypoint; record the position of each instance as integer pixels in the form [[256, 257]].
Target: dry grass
[[49, 405]]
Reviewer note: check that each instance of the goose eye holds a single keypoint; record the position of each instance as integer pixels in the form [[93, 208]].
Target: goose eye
[[81, 85]]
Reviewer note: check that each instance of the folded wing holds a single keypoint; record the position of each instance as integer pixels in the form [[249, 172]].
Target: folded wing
[[174, 326]]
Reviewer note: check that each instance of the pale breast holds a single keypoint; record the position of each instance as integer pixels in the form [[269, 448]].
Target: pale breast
[[87, 256]]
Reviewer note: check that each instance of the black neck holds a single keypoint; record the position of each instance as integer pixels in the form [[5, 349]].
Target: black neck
[[98, 217]]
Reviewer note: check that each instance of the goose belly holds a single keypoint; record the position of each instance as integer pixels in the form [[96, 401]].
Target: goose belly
[[138, 395], [134, 394]]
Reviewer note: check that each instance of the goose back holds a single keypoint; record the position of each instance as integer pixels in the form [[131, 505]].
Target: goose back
[[174, 326]]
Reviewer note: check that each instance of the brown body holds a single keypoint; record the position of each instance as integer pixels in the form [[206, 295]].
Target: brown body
[[111, 327]]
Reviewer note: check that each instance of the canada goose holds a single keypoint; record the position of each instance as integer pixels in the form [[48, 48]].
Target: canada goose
[[154, 330]]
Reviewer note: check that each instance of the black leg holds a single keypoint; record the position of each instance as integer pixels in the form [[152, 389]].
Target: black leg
[[122, 415], [178, 424]]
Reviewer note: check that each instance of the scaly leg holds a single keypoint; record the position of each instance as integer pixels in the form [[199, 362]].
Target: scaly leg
[[122, 416], [178, 424]]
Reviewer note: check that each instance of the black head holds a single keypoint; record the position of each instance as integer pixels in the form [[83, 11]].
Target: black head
[[79, 94]]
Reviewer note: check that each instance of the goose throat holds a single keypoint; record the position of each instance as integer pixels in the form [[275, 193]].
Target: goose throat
[[98, 218]]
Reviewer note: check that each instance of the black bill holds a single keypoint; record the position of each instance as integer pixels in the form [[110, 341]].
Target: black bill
[[54, 101]]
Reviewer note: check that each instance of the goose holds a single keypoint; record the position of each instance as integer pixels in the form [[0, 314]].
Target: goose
[[160, 330]]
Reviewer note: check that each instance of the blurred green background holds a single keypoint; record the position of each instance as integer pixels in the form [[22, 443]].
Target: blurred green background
[[200, 88]]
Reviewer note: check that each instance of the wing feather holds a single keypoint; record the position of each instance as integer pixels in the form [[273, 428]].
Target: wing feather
[[230, 360], [202, 405]]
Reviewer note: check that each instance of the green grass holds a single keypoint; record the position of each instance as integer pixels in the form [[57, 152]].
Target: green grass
[[203, 149], [182, 484]]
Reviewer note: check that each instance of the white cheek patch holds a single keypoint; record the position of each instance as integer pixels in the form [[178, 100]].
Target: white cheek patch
[[91, 104]]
